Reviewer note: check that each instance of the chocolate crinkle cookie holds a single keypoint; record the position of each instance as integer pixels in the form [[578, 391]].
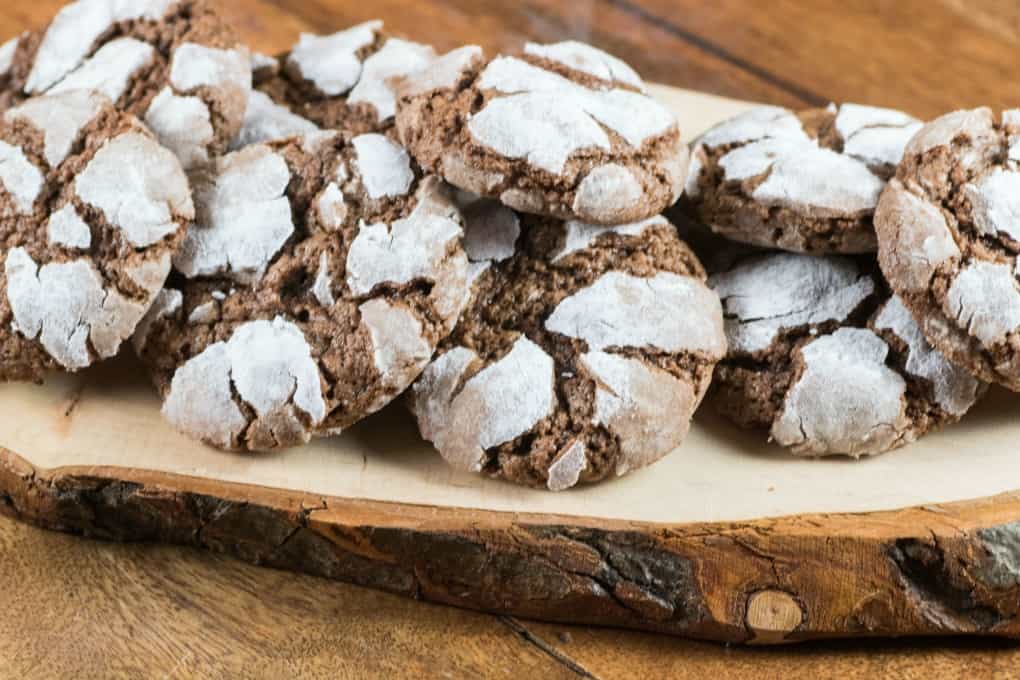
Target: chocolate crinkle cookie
[[563, 130], [91, 210], [583, 353], [804, 182], [827, 361], [173, 63], [314, 287], [342, 81], [949, 239]]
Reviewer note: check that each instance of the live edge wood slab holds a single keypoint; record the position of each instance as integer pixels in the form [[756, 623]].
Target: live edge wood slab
[[727, 539]]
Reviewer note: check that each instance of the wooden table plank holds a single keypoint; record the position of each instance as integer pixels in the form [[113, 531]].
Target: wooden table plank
[[924, 56], [82, 608], [79, 608]]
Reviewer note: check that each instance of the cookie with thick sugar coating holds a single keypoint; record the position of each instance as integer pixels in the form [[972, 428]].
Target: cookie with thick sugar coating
[[91, 209], [319, 278], [343, 81], [582, 355], [563, 130], [173, 63], [949, 239], [803, 182], [827, 361]]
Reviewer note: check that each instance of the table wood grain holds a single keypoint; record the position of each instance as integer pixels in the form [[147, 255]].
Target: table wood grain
[[77, 607]]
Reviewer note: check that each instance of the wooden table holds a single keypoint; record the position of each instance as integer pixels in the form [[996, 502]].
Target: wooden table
[[71, 605]]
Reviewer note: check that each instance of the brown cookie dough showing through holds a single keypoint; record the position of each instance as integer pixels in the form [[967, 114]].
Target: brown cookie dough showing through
[[313, 289], [91, 210], [827, 361], [173, 63], [563, 130], [341, 81], [804, 182], [949, 239], [582, 355]]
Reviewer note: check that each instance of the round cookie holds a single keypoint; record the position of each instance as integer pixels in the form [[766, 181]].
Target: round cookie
[[313, 289], [826, 360], [563, 130], [582, 355], [173, 63], [335, 82], [91, 210], [804, 182], [949, 239]]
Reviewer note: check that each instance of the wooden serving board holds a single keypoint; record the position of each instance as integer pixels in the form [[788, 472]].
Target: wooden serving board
[[727, 539]]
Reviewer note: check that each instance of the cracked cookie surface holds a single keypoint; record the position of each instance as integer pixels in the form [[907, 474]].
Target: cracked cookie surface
[[91, 210], [314, 287], [803, 182], [582, 355], [172, 63], [949, 239], [563, 130], [341, 81], [829, 362]]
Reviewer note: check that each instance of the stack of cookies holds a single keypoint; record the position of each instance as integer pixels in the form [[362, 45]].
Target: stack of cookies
[[293, 242]]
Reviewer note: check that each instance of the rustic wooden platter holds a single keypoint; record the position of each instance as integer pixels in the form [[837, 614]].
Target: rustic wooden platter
[[727, 539]]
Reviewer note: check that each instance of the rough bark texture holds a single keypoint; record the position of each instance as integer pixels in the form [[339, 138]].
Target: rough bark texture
[[943, 570]]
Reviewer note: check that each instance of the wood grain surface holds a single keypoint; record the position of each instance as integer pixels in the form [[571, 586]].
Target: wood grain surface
[[73, 606]]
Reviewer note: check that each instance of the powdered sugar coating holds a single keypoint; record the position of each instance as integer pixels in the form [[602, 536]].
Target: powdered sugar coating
[[410, 248], [331, 62], [761, 122], [490, 231], [536, 126], [580, 235], [976, 124], [139, 187], [384, 165], [607, 192], [954, 390], [395, 58], [566, 471], [7, 51], [332, 207], [801, 174], [621, 310], [648, 409], [875, 135], [65, 228], [244, 217], [75, 29], [587, 59], [502, 401], [995, 202], [847, 401], [916, 238], [270, 367], [183, 124], [443, 73], [322, 288], [110, 69], [20, 178], [265, 120], [65, 306], [546, 117], [984, 299], [60, 118], [400, 350], [764, 295], [194, 66]]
